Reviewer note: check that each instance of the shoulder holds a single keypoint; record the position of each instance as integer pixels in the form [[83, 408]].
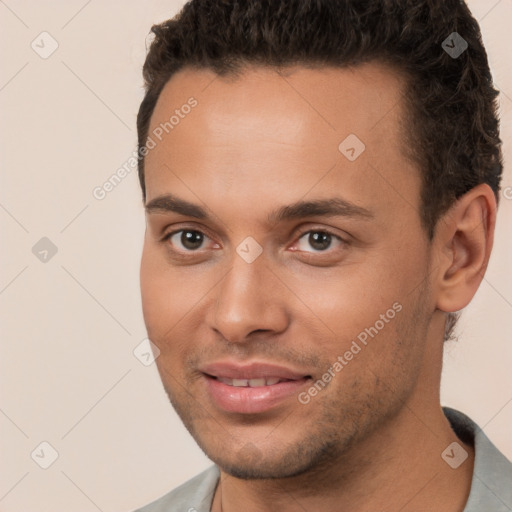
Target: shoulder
[[195, 495], [491, 486]]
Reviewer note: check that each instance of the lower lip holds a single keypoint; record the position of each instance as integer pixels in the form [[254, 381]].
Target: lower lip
[[249, 400]]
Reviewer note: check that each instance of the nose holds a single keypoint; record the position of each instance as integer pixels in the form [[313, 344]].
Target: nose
[[249, 299]]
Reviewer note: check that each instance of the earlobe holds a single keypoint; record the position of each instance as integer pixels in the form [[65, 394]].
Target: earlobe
[[465, 237]]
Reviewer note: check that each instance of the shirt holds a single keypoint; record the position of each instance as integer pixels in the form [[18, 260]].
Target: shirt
[[491, 485]]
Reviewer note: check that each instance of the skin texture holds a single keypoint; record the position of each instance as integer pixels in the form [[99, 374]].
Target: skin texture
[[372, 439]]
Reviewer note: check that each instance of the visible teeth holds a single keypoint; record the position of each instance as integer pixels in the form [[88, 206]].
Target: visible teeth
[[255, 383]]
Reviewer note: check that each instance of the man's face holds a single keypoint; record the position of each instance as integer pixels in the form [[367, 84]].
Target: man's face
[[253, 299]]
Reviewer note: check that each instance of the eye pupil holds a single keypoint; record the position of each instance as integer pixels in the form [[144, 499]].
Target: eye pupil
[[191, 239], [319, 240]]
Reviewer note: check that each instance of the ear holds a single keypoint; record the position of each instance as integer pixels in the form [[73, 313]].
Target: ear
[[463, 242]]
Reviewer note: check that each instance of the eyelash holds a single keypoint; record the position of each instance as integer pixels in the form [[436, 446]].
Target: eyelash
[[187, 253]]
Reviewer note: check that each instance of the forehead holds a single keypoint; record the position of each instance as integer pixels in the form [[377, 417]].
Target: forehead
[[298, 128], [270, 102]]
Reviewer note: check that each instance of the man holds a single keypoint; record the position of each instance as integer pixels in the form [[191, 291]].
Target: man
[[320, 180]]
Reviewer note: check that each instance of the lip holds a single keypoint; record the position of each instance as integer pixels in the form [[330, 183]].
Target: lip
[[231, 370], [250, 400]]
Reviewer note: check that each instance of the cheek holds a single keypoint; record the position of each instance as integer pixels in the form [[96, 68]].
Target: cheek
[[151, 290], [380, 361], [163, 299], [369, 303], [170, 295], [348, 297]]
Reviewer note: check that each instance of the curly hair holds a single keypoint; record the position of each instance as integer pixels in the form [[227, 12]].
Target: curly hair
[[451, 105]]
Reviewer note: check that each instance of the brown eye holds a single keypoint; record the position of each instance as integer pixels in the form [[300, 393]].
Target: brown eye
[[189, 239], [317, 241]]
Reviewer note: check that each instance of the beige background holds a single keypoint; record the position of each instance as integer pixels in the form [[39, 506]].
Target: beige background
[[69, 325]]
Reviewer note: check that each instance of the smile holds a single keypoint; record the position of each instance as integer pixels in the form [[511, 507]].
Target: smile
[[251, 383], [251, 388]]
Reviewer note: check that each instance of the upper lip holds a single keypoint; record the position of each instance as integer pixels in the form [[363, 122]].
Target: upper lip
[[254, 370]]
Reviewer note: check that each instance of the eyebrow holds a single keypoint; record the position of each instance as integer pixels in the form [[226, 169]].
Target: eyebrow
[[335, 206]]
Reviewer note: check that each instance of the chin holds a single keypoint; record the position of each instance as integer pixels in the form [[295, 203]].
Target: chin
[[252, 463]]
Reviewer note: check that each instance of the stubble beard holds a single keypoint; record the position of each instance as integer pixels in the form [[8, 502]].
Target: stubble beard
[[330, 440]]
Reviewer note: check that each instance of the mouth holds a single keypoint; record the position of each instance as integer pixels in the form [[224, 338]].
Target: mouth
[[251, 388], [257, 382]]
